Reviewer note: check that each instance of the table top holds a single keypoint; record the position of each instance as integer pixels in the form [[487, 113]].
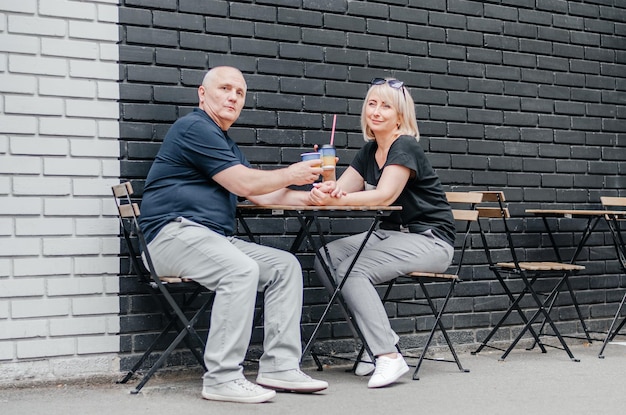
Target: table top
[[252, 208], [575, 213]]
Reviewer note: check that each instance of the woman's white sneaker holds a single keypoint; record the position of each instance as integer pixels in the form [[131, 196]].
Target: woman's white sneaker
[[387, 371], [365, 365]]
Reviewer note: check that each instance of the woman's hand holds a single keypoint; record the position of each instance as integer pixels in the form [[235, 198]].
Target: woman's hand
[[331, 187], [325, 193]]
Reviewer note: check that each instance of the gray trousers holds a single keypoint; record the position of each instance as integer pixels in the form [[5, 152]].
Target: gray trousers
[[235, 270], [387, 255]]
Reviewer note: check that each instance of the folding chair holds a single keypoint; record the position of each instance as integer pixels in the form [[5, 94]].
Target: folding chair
[[463, 204], [528, 272], [174, 295], [615, 227]]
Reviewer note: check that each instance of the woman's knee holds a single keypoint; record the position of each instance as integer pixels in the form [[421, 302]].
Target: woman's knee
[[355, 288]]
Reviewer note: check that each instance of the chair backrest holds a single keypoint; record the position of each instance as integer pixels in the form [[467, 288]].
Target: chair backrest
[[128, 213], [500, 210], [496, 209], [615, 224], [613, 202], [464, 211], [469, 199]]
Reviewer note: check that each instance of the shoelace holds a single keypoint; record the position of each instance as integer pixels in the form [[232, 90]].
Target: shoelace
[[304, 375], [382, 365], [246, 384]]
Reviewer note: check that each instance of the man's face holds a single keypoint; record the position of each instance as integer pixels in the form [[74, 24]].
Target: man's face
[[222, 96]]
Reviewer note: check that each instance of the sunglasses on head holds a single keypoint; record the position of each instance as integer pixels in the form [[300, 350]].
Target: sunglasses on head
[[393, 83]]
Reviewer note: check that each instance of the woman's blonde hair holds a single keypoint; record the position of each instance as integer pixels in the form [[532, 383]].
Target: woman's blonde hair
[[400, 100]]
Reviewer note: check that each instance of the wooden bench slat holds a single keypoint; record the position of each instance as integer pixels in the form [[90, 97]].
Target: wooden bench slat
[[174, 280], [613, 201], [122, 189], [492, 212], [464, 197], [433, 275], [126, 211], [542, 266]]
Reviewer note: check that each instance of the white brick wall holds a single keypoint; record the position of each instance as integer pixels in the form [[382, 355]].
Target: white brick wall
[[58, 157]]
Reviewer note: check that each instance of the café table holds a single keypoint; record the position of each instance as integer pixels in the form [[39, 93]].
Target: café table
[[592, 217], [310, 227]]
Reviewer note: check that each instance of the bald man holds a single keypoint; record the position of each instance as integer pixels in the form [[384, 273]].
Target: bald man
[[188, 216]]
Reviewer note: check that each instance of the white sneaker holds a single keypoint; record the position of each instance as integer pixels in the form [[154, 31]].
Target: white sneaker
[[238, 390], [387, 371], [291, 380], [365, 365]]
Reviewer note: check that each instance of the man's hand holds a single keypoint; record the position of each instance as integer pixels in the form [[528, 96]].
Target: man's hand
[[304, 172], [318, 198]]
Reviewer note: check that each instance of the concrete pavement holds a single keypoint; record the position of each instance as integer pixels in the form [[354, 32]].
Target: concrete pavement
[[526, 382]]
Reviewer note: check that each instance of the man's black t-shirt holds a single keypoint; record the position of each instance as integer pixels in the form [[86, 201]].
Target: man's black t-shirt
[[180, 182]]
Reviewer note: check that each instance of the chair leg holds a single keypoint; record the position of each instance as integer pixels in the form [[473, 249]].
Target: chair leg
[[555, 294], [147, 353], [159, 362], [514, 306], [610, 335], [186, 328], [438, 324], [172, 321], [194, 350], [541, 310]]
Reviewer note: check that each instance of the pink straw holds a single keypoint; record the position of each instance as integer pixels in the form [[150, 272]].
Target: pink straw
[[332, 134]]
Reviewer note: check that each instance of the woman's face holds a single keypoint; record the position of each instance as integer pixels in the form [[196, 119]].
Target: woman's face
[[382, 118]]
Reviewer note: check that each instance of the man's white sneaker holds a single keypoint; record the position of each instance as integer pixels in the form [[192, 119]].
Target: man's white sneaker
[[291, 380], [387, 371], [365, 365], [238, 390]]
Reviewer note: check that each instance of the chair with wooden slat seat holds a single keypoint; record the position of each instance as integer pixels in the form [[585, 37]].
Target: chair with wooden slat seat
[[463, 204], [529, 272], [174, 295], [616, 228]]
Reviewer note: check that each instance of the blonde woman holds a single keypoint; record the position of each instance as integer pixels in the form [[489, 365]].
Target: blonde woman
[[390, 169]]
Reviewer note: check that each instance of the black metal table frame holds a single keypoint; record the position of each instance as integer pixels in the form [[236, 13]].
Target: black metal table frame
[[307, 217]]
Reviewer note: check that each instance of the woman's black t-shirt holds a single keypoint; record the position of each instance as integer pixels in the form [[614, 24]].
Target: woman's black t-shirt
[[423, 201]]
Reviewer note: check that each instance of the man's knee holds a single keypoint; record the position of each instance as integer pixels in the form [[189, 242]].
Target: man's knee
[[243, 268]]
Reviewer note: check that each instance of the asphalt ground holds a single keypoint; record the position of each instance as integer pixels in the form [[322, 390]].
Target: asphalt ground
[[526, 382]]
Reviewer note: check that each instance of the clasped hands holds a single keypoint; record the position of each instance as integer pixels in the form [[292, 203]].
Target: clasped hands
[[325, 193]]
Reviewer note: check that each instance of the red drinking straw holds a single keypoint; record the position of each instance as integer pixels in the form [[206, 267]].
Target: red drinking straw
[[332, 133]]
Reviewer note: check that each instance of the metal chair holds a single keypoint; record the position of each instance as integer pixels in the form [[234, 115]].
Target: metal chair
[[555, 274], [615, 222], [174, 295], [463, 204]]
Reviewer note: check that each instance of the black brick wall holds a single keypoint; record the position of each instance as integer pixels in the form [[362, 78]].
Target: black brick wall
[[528, 96]]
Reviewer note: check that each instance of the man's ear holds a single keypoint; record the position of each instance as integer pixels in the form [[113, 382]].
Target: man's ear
[[201, 92]]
